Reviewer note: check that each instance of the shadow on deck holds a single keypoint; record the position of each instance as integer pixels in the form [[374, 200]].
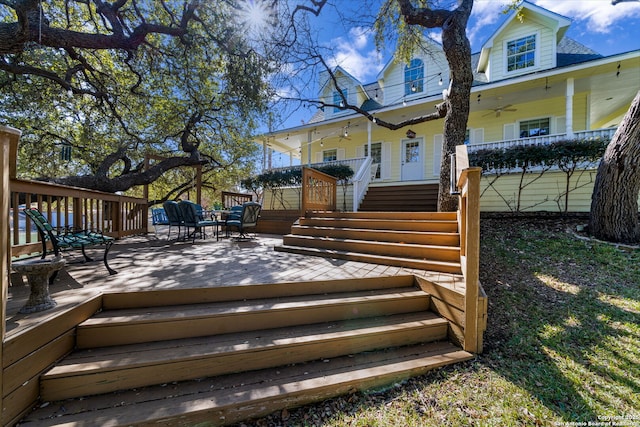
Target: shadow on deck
[[386, 308]]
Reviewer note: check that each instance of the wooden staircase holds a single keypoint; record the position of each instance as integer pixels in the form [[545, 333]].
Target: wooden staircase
[[221, 355], [401, 198], [420, 240]]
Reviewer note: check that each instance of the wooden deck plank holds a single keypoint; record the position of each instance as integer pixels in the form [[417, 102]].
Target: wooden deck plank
[[92, 375], [161, 323], [226, 400], [442, 266]]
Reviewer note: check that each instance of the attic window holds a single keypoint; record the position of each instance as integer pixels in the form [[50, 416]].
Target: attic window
[[414, 77], [337, 100], [521, 53]]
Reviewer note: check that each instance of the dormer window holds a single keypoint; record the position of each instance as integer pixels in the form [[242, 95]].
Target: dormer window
[[338, 100], [521, 53], [414, 77]]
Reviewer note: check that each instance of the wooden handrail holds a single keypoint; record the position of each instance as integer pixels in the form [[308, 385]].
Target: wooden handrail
[[115, 215], [319, 191], [230, 199], [468, 183]]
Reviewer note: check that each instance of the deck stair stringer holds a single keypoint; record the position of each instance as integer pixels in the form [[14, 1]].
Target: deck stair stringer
[[198, 359]]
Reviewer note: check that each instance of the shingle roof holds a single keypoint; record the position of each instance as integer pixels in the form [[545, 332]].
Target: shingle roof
[[573, 52]]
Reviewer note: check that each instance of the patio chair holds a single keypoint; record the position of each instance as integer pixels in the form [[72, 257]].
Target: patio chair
[[158, 217], [193, 218], [174, 216], [248, 219], [69, 239]]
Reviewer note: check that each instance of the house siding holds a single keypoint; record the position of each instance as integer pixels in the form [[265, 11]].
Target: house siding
[[292, 199], [545, 48], [435, 66], [539, 193]]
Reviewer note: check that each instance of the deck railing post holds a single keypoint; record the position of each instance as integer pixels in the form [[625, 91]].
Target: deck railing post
[[8, 150], [468, 184], [471, 218]]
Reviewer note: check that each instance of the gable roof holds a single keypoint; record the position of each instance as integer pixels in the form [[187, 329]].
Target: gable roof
[[342, 71], [558, 22]]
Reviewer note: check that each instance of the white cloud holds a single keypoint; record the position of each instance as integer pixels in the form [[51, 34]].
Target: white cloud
[[598, 16], [484, 20], [357, 54]]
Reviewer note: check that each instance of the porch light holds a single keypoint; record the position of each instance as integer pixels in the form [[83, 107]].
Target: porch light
[[413, 87], [440, 81]]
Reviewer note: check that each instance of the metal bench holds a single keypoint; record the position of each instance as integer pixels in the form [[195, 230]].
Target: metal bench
[[69, 239]]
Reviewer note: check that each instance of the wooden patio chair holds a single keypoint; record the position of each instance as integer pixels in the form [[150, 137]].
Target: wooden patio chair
[[68, 238]]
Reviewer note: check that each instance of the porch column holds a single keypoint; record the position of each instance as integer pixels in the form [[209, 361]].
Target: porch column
[[369, 139], [569, 108], [264, 154], [309, 136]]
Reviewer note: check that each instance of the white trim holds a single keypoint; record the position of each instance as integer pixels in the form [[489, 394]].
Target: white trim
[[536, 58], [420, 141], [438, 139]]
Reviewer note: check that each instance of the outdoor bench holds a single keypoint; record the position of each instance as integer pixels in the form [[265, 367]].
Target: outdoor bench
[[69, 239]]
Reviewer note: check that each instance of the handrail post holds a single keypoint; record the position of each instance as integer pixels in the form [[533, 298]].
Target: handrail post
[[9, 138], [471, 214]]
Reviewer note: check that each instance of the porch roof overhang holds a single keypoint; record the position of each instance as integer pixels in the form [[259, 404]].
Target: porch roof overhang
[[594, 77]]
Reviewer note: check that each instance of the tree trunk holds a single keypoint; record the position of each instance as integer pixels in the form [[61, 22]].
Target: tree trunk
[[614, 203], [457, 49]]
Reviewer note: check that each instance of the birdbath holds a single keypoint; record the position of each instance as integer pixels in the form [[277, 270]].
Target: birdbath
[[38, 272]]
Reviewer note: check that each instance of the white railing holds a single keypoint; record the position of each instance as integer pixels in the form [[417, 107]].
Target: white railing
[[361, 180], [355, 164], [544, 140]]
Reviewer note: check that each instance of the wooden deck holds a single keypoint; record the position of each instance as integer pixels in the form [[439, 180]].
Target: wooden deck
[[147, 263]]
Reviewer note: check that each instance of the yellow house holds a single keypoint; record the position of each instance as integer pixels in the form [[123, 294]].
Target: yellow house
[[532, 85]]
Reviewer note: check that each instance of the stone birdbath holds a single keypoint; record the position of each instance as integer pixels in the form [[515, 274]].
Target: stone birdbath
[[38, 272]]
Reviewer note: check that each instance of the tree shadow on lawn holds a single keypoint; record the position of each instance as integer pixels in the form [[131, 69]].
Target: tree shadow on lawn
[[563, 317]]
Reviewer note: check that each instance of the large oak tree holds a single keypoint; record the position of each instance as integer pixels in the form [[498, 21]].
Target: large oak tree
[[110, 82], [614, 203]]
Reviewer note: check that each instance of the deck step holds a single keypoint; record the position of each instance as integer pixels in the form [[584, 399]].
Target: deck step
[[232, 398], [390, 223], [421, 240], [427, 216], [412, 237], [391, 249], [421, 197], [128, 326], [420, 264], [102, 370]]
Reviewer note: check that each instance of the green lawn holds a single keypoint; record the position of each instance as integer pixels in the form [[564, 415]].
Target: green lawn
[[562, 346]]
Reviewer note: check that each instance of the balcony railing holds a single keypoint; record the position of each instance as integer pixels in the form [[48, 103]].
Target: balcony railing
[[355, 164], [543, 140]]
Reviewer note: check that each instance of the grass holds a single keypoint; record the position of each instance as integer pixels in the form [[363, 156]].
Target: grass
[[562, 345]]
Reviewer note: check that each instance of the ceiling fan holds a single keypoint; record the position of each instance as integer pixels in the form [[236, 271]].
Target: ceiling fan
[[499, 110]]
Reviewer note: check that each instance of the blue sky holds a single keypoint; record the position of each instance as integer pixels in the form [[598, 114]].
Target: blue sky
[[598, 24]]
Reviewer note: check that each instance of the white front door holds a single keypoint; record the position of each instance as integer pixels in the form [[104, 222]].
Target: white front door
[[411, 157]]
